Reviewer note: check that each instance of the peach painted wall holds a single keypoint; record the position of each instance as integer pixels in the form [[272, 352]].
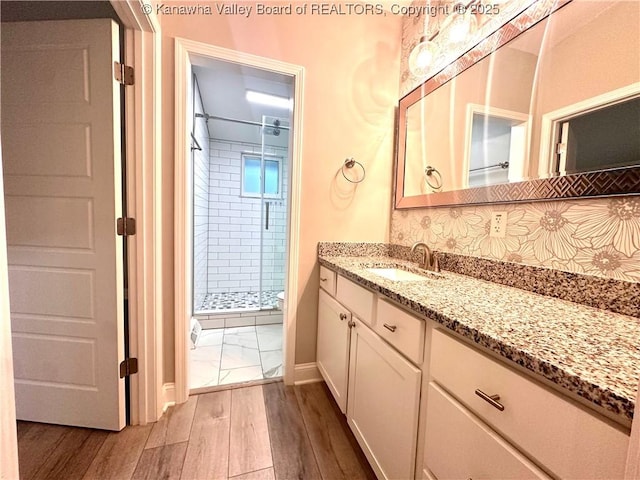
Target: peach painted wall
[[598, 236], [351, 89]]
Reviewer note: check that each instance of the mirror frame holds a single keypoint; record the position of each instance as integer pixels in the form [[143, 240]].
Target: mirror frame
[[619, 181]]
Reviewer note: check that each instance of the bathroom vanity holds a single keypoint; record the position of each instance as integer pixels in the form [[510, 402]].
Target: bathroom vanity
[[449, 376]]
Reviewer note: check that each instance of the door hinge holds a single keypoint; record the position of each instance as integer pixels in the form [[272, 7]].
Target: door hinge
[[123, 73], [126, 226], [128, 366]]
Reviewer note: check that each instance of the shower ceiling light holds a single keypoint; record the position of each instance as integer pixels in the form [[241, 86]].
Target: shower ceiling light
[[268, 99]]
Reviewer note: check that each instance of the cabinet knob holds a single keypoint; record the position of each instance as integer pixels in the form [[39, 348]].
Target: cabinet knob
[[351, 324], [391, 328], [343, 316], [323, 279], [490, 399]]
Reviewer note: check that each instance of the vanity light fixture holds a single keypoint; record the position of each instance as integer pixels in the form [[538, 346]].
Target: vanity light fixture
[[454, 29], [268, 99]]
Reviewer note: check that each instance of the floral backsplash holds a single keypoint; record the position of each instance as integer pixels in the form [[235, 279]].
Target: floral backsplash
[[597, 236], [592, 236]]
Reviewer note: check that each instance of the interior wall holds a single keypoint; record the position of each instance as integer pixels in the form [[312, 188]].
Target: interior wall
[[350, 92], [599, 236]]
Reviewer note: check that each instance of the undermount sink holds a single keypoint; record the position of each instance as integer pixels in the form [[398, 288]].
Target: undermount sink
[[399, 275]]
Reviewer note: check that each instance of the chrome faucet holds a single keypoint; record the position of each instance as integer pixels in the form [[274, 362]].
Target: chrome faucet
[[429, 259]]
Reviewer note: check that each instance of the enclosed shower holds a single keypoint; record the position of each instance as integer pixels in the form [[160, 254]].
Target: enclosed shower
[[246, 221], [240, 184]]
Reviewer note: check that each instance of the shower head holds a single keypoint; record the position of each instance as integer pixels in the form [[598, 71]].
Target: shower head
[[273, 130]]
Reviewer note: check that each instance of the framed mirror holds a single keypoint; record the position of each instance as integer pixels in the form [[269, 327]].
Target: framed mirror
[[546, 107]]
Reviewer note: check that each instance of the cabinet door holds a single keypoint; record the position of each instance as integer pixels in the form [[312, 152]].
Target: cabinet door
[[382, 411], [459, 445], [332, 356]]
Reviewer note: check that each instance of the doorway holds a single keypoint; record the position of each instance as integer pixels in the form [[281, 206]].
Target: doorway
[[261, 161], [240, 143]]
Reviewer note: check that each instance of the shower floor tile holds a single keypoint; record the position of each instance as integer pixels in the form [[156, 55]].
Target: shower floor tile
[[235, 355], [237, 300]]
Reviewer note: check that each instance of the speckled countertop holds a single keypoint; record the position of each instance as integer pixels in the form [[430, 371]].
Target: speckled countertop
[[591, 352]]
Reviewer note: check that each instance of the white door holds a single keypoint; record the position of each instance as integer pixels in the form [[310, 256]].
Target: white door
[[61, 155]]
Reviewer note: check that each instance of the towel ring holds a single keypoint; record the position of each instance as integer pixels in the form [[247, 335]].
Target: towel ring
[[350, 163], [428, 172]]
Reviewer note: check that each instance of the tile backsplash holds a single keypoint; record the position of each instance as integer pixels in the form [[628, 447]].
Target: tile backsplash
[[596, 236], [592, 236]]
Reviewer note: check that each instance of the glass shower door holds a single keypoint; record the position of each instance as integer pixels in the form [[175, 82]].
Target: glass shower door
[[275, 143]]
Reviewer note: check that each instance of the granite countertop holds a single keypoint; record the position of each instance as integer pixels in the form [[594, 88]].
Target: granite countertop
[[591, 352]]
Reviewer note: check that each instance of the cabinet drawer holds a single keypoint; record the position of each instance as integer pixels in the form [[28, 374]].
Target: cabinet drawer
[[459, 445], [400, 329], [358, 300], [567, 439], [328, 280]]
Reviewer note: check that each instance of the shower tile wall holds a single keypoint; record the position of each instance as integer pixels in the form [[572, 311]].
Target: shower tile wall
[[235, 225], [200, 204]]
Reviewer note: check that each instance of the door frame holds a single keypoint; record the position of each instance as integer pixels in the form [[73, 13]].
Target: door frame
[[184, 50], [143, 100]]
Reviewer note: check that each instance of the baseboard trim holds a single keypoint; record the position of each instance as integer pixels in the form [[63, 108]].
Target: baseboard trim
[[168, 396], [306, 373]]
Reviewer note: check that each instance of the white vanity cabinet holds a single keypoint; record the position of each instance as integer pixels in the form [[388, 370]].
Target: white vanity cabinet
[[370, 376], [459, 445], [471, 391]]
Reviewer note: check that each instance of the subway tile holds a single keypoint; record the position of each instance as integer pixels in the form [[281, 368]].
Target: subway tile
[[219, 248], [227, 182], [216, 277], [220, 145], [232, 169], [240, 276], [230, 228], [218, 234]]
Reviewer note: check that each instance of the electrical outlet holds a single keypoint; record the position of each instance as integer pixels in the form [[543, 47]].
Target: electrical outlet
[[498, 226]]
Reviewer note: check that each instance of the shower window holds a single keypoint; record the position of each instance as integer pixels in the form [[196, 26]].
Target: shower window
[[252, 176]]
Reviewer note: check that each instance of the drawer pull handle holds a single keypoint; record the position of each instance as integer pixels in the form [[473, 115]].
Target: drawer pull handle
[[391, 328], [491, 399], [343, 316], [323, 279]]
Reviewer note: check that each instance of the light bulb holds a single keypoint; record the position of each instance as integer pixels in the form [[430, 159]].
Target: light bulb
[[458, 27], [422, 56]]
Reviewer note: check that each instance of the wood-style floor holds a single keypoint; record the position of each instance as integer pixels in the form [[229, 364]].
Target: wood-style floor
[[251, 433]]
